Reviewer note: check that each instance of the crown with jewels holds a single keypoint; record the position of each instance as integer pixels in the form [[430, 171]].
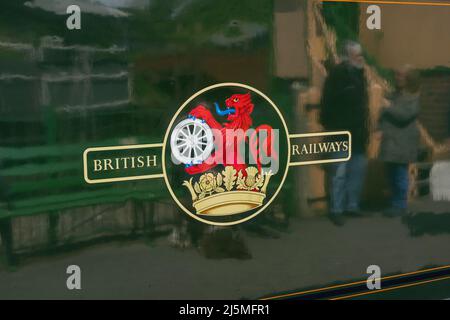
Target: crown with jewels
[[228, 192]]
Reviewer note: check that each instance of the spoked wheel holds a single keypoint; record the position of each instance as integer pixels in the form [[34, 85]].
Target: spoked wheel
[[191, 141]]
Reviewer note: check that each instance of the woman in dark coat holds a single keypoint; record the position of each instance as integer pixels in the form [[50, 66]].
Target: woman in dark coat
[[400, 137]]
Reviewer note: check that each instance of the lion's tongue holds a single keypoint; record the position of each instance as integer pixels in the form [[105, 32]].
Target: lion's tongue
[[224, 112]]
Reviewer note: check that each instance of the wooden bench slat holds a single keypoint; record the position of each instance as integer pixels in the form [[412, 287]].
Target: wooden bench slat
[[49, 178], [21, 187], [60, 198], [45, 168], [46, 151], [77, 201]]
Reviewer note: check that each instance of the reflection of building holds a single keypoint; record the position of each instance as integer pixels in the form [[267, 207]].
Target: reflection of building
[[304, 42], [52, 96], [291, 60], [417, 35], [53, 79]]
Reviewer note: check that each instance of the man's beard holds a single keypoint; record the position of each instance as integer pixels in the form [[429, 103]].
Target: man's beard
[[357, 65]]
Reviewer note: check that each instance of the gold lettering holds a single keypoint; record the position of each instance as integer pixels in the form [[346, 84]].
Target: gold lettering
[[140, 161], [108, 164], [323, 147], [125, 164], [295, 150], [304, 149], [345, 146], [97, 165], [151, 162], [333, 147]]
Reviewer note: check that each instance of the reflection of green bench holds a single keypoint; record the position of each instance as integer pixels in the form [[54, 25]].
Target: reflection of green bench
[[49, 179]]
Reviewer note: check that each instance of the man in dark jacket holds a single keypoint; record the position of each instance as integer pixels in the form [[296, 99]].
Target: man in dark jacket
[[344, 106]]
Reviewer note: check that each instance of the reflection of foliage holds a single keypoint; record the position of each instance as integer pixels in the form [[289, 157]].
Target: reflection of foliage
[[214, 14], [147, 93], [440, 70], [166, 29], [233, 32], [182, 20], [192, 23], [344, 19], [217, 12], [20, 23]]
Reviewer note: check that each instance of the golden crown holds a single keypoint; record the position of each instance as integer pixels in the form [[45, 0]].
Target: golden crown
[[228, 192]]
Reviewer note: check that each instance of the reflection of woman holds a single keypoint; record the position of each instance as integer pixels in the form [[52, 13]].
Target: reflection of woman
[[400, 137]]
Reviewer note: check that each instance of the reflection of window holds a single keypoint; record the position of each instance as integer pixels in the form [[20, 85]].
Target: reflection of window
[[69, 81]]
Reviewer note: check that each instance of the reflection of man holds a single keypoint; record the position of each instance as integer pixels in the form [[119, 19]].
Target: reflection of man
[[345, 107]]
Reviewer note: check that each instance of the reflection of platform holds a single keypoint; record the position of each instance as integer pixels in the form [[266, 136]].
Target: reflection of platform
[[426, 204], [313, 253]]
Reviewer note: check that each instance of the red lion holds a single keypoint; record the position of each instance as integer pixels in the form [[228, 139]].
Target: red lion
[[239, 110]]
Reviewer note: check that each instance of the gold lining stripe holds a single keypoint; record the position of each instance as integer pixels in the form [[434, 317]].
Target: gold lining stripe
[[391, 288], [417, 3], [354, 283]]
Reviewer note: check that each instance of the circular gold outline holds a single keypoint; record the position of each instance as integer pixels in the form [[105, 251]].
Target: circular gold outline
[[219, 85]]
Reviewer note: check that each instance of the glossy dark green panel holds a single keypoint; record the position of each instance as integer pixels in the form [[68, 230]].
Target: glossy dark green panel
[[119, 81]]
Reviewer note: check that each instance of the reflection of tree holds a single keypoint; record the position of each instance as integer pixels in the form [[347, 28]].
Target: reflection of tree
[[344, 19], [24, 24], [192, 23]]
